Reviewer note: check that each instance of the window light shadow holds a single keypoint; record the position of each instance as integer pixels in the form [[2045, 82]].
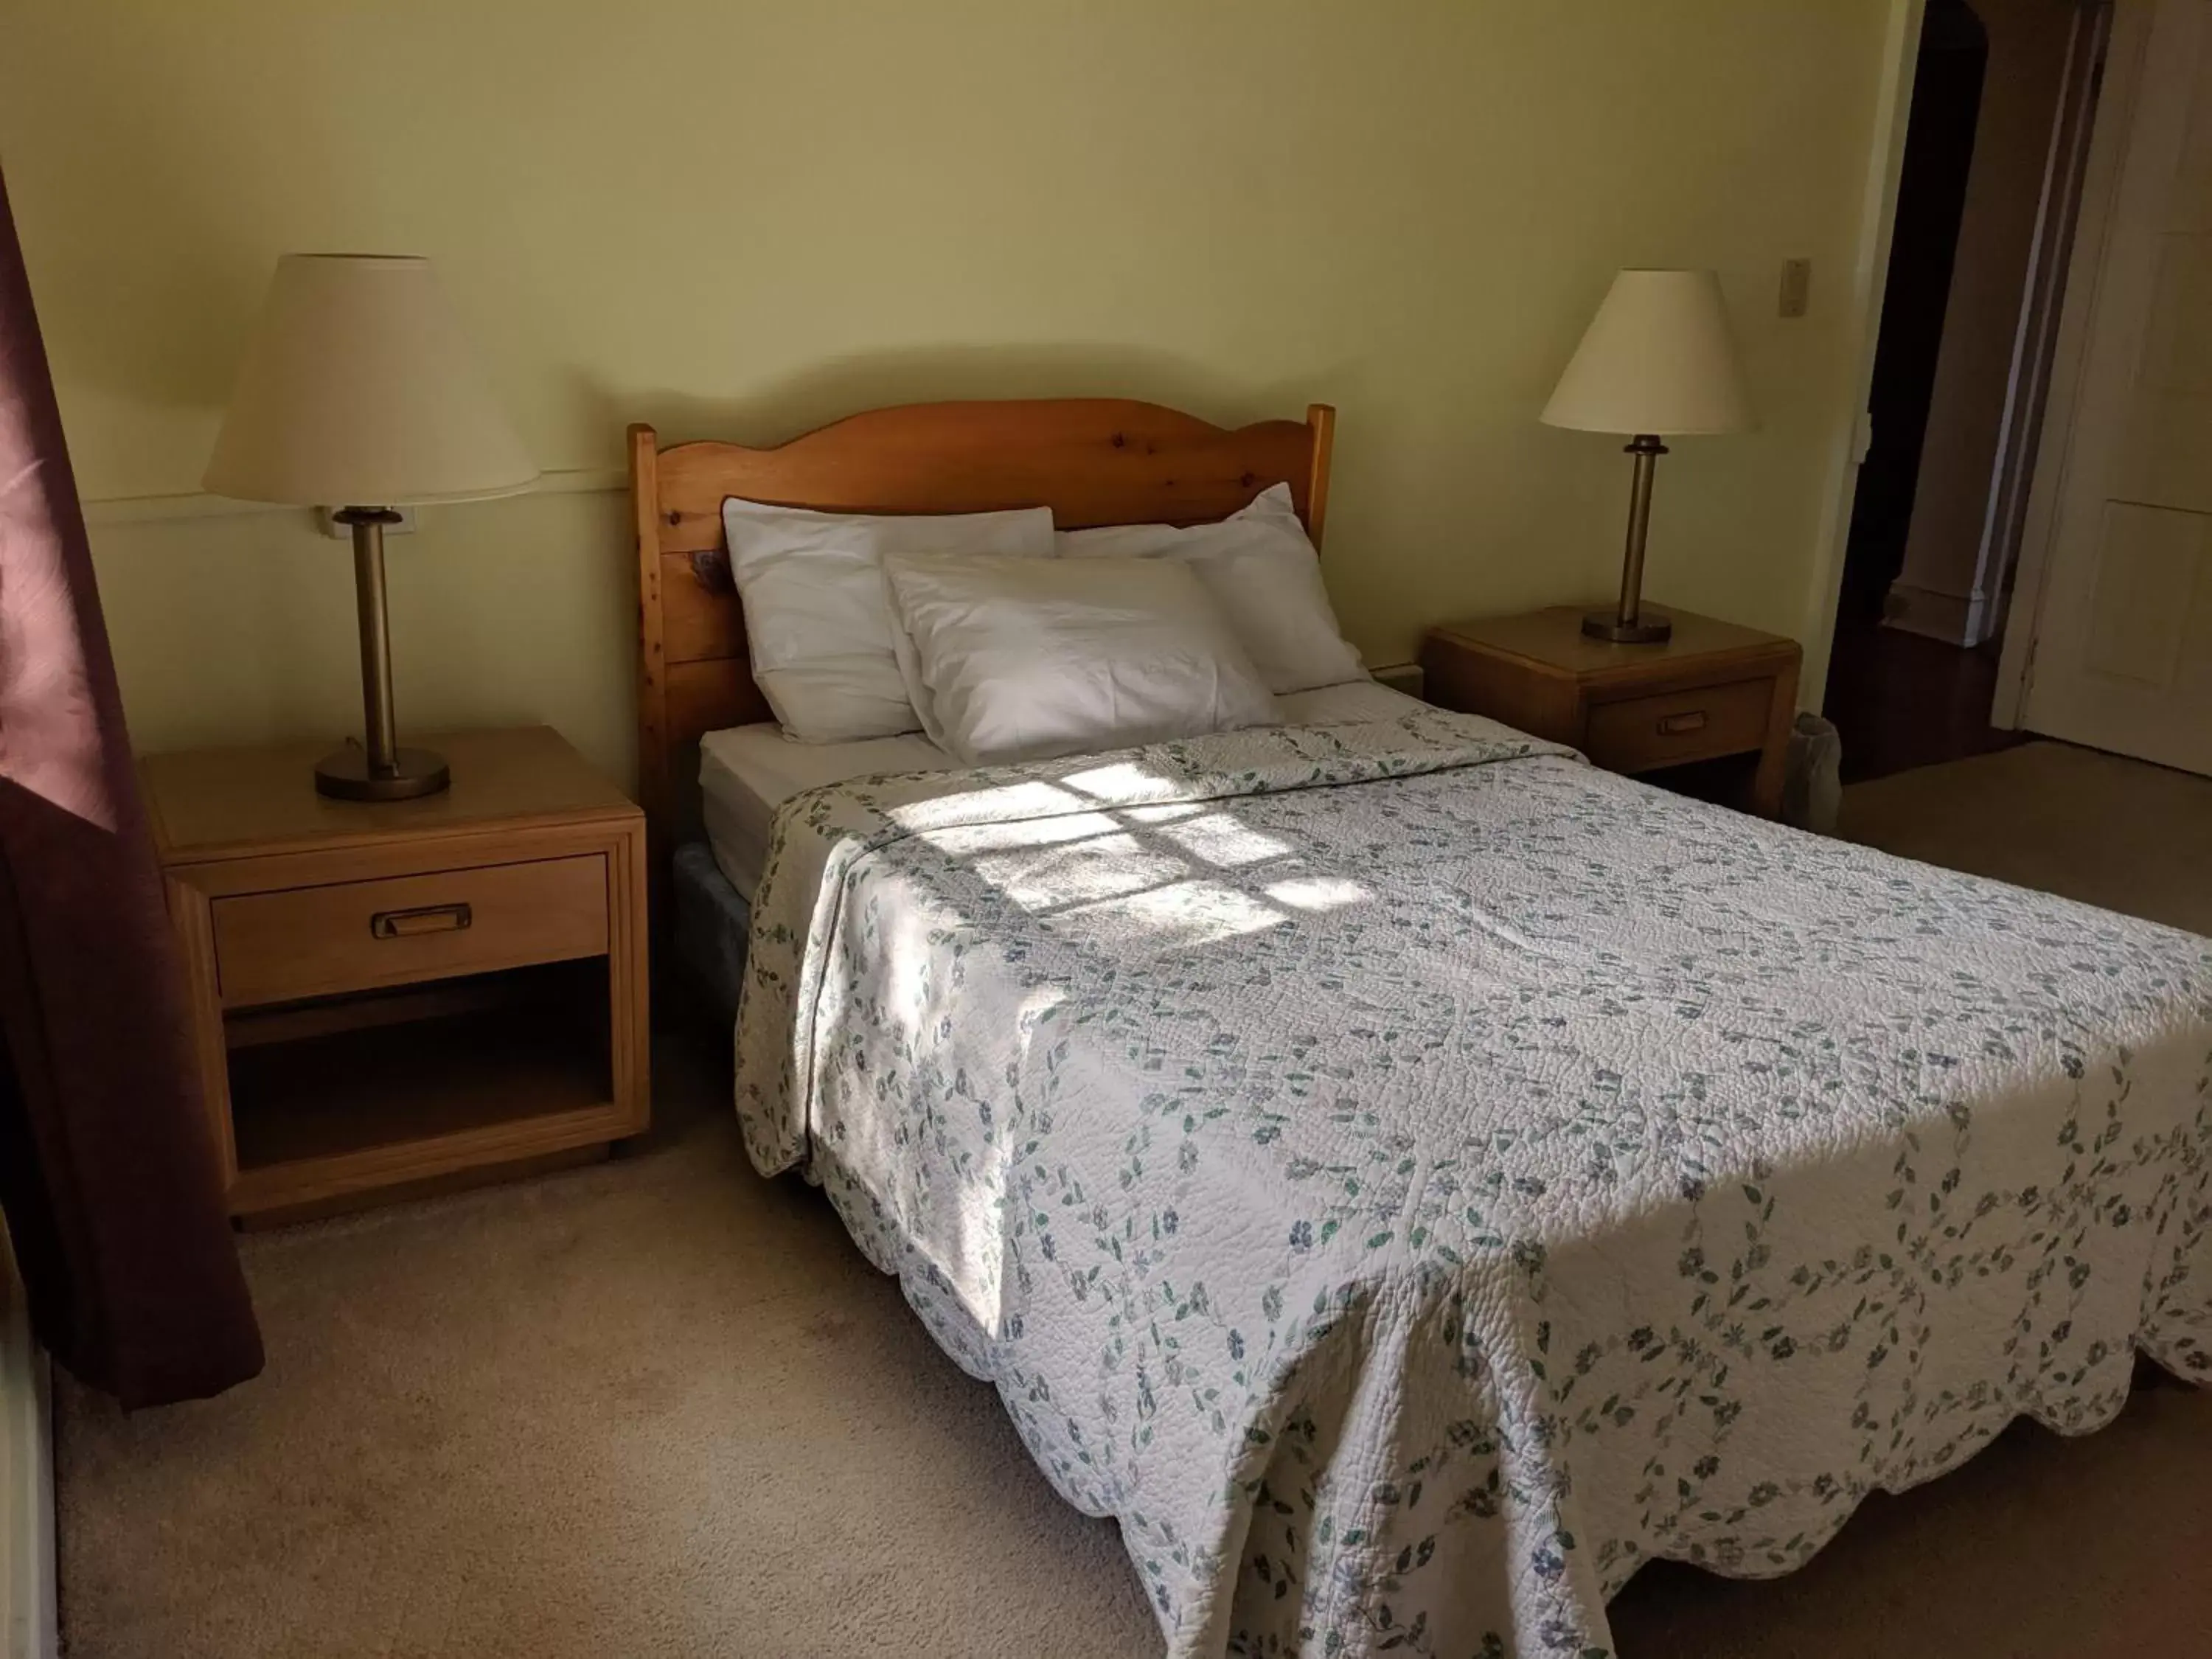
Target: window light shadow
[[1091, 854], [1099, 865]]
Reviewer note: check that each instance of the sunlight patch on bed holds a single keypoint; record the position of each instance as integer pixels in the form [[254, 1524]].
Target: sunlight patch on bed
[[1318, 893], [1124, 781], [910, 973], [1220, 838], [1104, 866], [1013, 801], [967, 1241], [965, 839], [1189, 913]]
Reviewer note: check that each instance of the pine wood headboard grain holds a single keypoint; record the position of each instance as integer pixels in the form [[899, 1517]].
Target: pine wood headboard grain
[[1092, 460]]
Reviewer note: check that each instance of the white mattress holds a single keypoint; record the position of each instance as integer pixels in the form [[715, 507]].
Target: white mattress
[[747, 772]]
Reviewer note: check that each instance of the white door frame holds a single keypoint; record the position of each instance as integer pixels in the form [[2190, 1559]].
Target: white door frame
[[1869, 280], [2123, 67], [2035, 338]]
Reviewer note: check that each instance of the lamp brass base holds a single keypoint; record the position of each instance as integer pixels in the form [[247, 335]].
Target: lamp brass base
[[348, 775], [1649, 628]]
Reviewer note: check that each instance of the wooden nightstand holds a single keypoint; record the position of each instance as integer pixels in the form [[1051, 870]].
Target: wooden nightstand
[[396, 994], [1710, 709]]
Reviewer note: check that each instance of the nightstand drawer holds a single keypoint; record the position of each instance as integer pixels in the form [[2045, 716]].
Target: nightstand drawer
[[1638, 734], [354, 936]]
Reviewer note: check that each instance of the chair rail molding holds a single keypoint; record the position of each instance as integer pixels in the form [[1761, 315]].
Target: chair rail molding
[[103, 510]]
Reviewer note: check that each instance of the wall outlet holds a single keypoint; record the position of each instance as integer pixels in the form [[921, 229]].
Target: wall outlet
[[326, 520], [1797, 286]]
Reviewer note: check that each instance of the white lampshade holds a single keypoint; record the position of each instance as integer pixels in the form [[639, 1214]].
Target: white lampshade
[[359, 389], [1657, 358]]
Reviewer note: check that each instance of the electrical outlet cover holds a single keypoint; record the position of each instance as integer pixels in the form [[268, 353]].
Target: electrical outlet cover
[[1797, 286]]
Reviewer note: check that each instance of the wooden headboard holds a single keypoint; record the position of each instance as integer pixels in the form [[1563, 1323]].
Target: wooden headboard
[[1091, 460]]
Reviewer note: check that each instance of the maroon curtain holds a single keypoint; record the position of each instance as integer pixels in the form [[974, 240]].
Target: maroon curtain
[[107, 1170]]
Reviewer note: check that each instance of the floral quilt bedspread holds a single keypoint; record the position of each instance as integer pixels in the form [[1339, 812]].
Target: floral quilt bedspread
[[1410, 1178]]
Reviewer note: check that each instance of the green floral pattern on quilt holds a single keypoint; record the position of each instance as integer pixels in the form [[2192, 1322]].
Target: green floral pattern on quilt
[[1410, 1178]]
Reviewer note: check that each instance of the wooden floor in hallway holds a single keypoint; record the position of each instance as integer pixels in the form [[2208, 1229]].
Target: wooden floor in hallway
[[1902, 699]]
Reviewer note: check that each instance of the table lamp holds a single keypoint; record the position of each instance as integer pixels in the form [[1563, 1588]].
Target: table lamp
[[1656, 362], [359, 393]]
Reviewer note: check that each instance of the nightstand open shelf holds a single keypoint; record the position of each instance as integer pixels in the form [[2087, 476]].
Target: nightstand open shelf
[[386, 994], [502, 1067]]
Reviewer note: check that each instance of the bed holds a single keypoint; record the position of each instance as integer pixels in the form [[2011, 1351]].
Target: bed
[[1407, 1177]]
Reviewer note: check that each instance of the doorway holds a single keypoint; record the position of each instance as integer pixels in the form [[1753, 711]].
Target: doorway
[[2001, 95]]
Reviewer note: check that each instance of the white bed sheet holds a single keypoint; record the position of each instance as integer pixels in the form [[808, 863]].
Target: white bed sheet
[[747, 772]]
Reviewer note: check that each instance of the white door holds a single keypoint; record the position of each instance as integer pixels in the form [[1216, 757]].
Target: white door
[[2121, 653]]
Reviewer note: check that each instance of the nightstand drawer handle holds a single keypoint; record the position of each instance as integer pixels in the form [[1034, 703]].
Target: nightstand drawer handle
[[1675, 725], [429, 919]]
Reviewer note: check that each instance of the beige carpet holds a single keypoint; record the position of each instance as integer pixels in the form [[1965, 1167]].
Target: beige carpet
[[2095, 827], [661, 1407]]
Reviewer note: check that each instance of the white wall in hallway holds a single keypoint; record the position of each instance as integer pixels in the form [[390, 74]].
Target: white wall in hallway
[[1937, 593]]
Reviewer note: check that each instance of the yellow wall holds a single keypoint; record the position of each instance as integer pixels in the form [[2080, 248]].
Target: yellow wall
[[741, 218]]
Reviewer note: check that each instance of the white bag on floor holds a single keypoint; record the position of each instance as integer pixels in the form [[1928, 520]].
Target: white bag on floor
[[1813, 783]]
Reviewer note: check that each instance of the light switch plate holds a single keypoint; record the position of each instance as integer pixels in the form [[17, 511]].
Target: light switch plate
[[1797, 286]]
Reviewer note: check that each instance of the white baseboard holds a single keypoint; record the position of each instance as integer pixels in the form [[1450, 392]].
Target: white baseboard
[[29, 1611], [1947, 616]]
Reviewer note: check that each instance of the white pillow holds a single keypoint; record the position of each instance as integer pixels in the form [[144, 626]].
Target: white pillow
[[1025, 658], [1263, 574], [812, 585]]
